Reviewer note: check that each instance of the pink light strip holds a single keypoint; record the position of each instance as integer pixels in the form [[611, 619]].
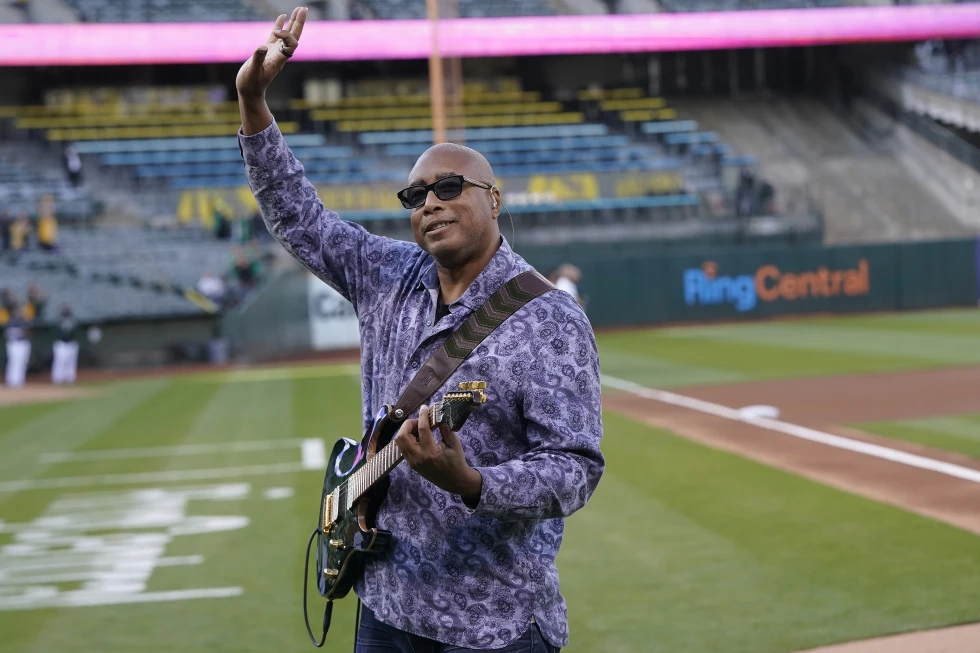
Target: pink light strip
[[168, 43]]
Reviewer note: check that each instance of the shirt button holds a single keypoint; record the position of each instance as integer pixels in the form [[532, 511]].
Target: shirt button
[[415, 363]]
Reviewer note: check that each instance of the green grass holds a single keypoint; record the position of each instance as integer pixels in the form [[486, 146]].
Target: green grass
[[678, 357], [959, 434], [682, 549]]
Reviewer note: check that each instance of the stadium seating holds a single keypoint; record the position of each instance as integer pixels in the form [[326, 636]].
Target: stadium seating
[[170, 258], [467, 8], [21, 189], [162, 11]]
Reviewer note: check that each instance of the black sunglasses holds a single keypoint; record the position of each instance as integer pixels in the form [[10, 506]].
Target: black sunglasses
[[446, 188]]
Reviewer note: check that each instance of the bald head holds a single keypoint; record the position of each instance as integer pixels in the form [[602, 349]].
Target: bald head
[[470, 162], [461, 229]]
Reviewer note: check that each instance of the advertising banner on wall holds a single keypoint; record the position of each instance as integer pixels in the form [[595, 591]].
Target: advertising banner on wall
[[333, 324]]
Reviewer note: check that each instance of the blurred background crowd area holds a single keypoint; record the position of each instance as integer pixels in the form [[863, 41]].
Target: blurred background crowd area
[[123, 198]]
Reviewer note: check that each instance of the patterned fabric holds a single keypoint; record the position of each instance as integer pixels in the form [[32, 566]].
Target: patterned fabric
[[468, 578]]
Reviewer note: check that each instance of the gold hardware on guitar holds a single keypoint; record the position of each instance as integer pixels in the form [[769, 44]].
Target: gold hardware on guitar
[[336, 544], [331, 573], [327, 510]]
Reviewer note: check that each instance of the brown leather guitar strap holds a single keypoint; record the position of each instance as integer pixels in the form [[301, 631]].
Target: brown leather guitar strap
[[508, 299]]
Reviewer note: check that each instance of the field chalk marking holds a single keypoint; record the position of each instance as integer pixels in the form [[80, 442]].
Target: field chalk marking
[[794, 430], [168, 452], [114, 598], [152, 477], [314, 454]]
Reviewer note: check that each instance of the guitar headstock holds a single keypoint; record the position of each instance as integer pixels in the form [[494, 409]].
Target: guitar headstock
[[455, 407]]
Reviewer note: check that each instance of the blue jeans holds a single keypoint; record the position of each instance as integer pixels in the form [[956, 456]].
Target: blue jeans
[[376, 637]]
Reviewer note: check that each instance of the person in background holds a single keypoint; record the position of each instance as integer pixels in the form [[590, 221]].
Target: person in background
[[65, 349], [73, 165], [47, 225], [245, 270], [37, 301], [8, 304], [567, 277], [18, 349], [212, 287], [6, 220], [20, 233]]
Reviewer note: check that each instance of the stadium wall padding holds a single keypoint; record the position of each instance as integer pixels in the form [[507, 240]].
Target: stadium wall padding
[[642, 283], [630, 285]]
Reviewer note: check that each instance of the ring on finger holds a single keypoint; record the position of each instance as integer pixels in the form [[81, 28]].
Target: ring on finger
[[282, 48]]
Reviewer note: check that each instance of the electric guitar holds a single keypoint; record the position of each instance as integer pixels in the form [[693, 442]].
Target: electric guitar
[[355, 485]]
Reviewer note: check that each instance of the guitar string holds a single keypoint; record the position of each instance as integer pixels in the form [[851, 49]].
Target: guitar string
[[346, 487]]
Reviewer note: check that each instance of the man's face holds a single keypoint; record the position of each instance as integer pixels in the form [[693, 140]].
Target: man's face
[[456, 230]]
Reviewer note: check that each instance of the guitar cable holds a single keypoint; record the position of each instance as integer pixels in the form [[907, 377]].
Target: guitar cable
[[328, 611]]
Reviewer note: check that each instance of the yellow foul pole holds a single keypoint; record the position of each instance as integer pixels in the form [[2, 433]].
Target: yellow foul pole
[[436, 86]]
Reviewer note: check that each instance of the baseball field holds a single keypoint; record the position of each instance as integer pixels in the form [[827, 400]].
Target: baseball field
[[770, 488]]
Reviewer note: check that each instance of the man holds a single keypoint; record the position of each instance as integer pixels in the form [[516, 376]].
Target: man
[[477, 517], [567, 278], [65, 349], [18, 349]]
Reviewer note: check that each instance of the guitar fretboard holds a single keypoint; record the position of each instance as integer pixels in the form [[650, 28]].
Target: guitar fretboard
[[380, 465]]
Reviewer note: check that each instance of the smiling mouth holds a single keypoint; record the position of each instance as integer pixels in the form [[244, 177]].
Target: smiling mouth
[[437, 227]]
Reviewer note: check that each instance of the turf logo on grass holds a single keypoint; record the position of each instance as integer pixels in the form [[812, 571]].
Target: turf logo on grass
[[102, 548], [705, 287]]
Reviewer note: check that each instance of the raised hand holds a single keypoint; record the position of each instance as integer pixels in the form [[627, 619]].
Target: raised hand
[[269, 58]]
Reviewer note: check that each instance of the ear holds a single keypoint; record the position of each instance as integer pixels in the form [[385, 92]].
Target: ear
[[495, 201]]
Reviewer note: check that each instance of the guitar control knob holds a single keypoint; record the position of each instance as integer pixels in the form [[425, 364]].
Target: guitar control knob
[[336, 544], [331, 573]]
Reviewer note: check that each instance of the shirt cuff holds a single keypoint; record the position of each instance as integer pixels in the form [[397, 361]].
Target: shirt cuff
[[474, 506], [259, 148]]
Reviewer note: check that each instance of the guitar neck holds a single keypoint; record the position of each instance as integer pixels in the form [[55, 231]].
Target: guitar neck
[[380, 465]]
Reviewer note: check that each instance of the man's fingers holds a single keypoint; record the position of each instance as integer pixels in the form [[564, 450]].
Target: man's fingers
[[287, 37], [279, 23], [298, 22], [450, 438], [405, 441], [259, 56], [427, 442]]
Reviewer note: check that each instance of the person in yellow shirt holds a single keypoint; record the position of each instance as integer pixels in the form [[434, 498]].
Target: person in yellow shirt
[[47, 225], [20, 231]]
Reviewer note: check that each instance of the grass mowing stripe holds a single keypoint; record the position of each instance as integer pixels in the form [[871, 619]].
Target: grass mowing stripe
[[699, 517], [744, 360], [928, 348], [957, 434], [69, 426]]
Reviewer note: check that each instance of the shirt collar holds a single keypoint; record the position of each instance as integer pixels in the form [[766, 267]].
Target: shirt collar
[[504, 265]]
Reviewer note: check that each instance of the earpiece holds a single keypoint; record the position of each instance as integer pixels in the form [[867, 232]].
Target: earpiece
[[493, 198]]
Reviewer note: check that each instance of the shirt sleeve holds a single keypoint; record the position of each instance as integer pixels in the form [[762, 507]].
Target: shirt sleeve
[[340, 253], [562, 406]]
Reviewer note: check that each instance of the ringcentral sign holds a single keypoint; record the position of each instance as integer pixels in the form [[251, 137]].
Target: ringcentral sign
[[704, 286]]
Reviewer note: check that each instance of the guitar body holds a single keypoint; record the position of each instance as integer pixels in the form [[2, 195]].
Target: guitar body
[[352, 536], [354, 488]]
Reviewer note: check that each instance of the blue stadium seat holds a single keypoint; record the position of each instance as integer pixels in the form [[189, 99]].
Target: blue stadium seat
[[178, 144], [214, 156], [496, 133], [669, 126]]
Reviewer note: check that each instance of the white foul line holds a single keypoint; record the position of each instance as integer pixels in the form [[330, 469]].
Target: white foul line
[[152, 477], [802, 432], [167, 452], [314, 454]]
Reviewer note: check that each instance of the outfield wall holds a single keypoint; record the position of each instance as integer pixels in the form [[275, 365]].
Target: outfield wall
[[747, 282], [642, 283]]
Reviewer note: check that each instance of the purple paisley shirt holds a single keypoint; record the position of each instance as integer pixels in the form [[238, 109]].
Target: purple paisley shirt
[[468, 578]]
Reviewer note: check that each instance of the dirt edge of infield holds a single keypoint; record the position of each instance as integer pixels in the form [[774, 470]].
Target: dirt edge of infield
[[952, 639]]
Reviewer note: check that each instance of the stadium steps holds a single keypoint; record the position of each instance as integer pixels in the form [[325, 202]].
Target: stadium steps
[[865, 195]]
